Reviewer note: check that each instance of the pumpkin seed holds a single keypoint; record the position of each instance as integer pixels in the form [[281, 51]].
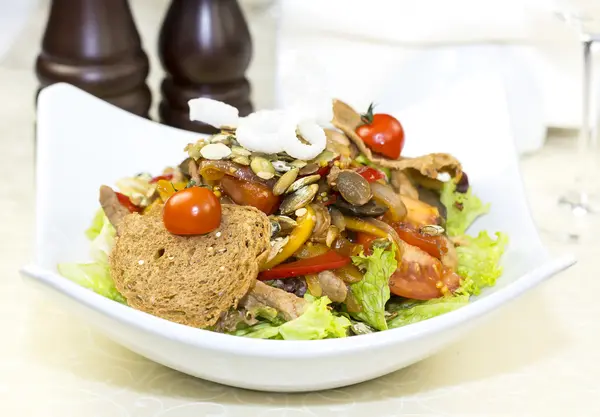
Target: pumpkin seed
[[265, 175], [309, 169], [354, 188], [303, 182], [215, 151], [325, 157], [262, 166], [432, 230], [242, 160], [239, 151], [286, 223], [281, 166], [285, 181], [298, 199], [298, 163]]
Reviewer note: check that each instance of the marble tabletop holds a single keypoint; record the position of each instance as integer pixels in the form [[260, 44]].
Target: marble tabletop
[[539, 356]]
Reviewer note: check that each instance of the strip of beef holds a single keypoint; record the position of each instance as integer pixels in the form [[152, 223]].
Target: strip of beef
[[113, 209], [289, 305]]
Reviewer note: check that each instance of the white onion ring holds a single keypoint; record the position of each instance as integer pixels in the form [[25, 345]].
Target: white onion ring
[[213, 112], [313, 134]]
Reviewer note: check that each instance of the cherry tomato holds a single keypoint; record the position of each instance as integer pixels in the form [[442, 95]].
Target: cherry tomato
[[126, 202], [370, 174], [252, 194], [382, 133], [433, 245], [193, 211]]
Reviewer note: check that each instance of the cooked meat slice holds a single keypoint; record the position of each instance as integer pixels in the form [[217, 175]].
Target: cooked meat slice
[[403, 185], [113, 209], [289, 305], [347, 120], [191, 280]]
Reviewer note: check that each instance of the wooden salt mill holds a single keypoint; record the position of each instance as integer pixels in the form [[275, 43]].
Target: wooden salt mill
[[205, 49], [94, 45]]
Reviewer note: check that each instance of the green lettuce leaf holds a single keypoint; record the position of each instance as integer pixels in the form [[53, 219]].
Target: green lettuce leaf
[[373, 291], [104, 241], [317, 322], [479, 260], [97, 224], [96, 275], [462, 208], [411, 311]]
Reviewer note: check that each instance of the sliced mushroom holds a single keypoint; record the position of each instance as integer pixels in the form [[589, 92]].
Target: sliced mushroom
[[333, 286]]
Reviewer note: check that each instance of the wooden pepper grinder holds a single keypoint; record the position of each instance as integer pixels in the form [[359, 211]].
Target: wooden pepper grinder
[[205, 48], [94, 45]]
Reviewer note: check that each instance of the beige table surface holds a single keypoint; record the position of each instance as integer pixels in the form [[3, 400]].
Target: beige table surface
[[539, 357]]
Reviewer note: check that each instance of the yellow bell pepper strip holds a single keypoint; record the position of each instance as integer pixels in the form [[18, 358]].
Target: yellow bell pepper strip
[[298, 237], [167, 188], [358, 225], [314, 287], [310, 250]]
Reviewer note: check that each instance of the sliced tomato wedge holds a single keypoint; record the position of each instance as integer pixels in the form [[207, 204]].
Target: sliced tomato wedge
[[327, 261], [421, 276], [433, 245], [252, 194], [126, 202]]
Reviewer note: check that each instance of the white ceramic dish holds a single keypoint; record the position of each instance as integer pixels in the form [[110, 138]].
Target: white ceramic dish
[[84, 142]]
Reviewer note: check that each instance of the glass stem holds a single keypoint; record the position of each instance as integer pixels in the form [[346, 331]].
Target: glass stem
[[586, 137]]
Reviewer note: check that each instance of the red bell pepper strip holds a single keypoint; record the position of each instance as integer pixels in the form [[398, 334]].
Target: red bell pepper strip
[[370, 174], [327, 261], [126, 202], [167, 177]]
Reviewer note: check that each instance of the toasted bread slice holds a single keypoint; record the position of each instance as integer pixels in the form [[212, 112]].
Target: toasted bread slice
[[191, 280]]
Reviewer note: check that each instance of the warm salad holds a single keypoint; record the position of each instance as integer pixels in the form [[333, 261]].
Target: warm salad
[[278, 228]]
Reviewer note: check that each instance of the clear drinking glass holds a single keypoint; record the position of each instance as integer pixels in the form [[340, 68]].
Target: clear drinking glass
[[584, 198]]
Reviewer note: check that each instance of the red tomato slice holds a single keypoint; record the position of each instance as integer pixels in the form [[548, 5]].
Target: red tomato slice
[[252, 194], [433, 245]]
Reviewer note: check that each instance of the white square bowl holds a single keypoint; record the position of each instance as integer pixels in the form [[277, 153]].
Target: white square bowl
[[83, 142]]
